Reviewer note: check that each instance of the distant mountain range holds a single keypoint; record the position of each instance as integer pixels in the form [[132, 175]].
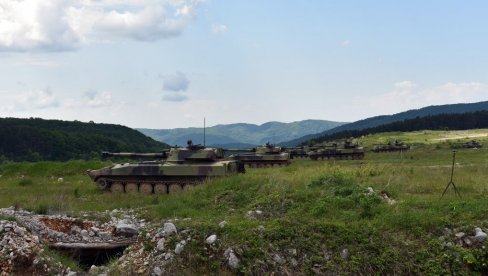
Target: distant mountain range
[[387, 119], [241, 135]]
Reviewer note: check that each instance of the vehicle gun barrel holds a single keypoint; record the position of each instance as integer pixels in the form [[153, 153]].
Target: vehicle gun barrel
[[162, 154], [241, 150]]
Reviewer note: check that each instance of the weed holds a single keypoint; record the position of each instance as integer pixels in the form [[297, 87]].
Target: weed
[[7, 218], [41, 209], [25, 182]]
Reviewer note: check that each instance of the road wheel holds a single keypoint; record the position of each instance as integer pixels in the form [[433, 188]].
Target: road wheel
[[117, 187], [131, 188], [188, 187], [174, 188], [160, 189], [146, 188]]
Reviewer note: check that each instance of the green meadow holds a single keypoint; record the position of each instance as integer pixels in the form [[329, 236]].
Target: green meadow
[[312, 211]]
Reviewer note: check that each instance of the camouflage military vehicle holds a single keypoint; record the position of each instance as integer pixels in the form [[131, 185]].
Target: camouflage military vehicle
[[473, 144], [262, 156], [182, 169], [395, 146], [297, 152], [344, 150]]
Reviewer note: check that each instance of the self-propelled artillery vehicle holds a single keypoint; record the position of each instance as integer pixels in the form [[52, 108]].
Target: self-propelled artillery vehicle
[[183, 168], [333, 150], [395, 146], [262, 156], [297, 152], [473, 144]]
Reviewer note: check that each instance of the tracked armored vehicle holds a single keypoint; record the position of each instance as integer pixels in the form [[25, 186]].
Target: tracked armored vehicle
[[297, 152], [182, 169], [395, 146], [262, 156], [473, 144], [344, 150]]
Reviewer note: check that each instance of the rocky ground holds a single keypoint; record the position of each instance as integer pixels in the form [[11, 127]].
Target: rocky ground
[[149, 248]]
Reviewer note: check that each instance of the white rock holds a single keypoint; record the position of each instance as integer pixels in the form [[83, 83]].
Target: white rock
[[233, 261], [60, 179], [160, 246], [294, 262], [179, 248], [227, 252], [222, 224], [345, 253], [480, 235], [460, 235], [168, 256], [126, 229], [277, 258], [169, 229], [19, 231], [157, 271], [370, 191], [84, 233], [104, 235], [211, 239]]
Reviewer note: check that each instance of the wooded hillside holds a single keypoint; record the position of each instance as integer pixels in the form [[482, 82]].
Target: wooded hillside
[[36, 139]]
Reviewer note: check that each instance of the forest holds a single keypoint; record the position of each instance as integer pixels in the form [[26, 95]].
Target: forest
[[37, 139]]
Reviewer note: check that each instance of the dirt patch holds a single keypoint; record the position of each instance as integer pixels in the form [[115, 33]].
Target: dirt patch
[[65, 225], [461, 136]]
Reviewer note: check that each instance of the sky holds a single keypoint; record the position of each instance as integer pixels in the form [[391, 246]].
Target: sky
[[170, 63]]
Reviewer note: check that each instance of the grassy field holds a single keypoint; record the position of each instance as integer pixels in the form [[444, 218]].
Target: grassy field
[[316, 208]]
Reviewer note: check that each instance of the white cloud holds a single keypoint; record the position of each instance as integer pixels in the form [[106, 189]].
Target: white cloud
[[176, 82], [405, 85], [32, 24], [219, 28], [345, 43], [60, 25], [41, 99], [98, 99]]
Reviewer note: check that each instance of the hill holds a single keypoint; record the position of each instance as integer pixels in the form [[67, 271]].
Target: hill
[[241, 134], [464, 121], [386, 119], [37, 139]]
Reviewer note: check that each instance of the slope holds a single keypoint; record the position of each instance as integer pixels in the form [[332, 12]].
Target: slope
[[385, 119], [37, 139]]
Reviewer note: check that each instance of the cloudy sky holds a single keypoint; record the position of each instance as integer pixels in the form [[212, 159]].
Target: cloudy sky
[[169, 63]]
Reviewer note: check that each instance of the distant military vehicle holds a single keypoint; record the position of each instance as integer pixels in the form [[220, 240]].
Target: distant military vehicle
[[297, 152], [333, 150], [395, 146], [183, 168], [262, 156], [473, 144]]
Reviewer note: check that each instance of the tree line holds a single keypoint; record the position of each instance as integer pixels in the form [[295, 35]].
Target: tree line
[[37, 139], [462, 121]]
